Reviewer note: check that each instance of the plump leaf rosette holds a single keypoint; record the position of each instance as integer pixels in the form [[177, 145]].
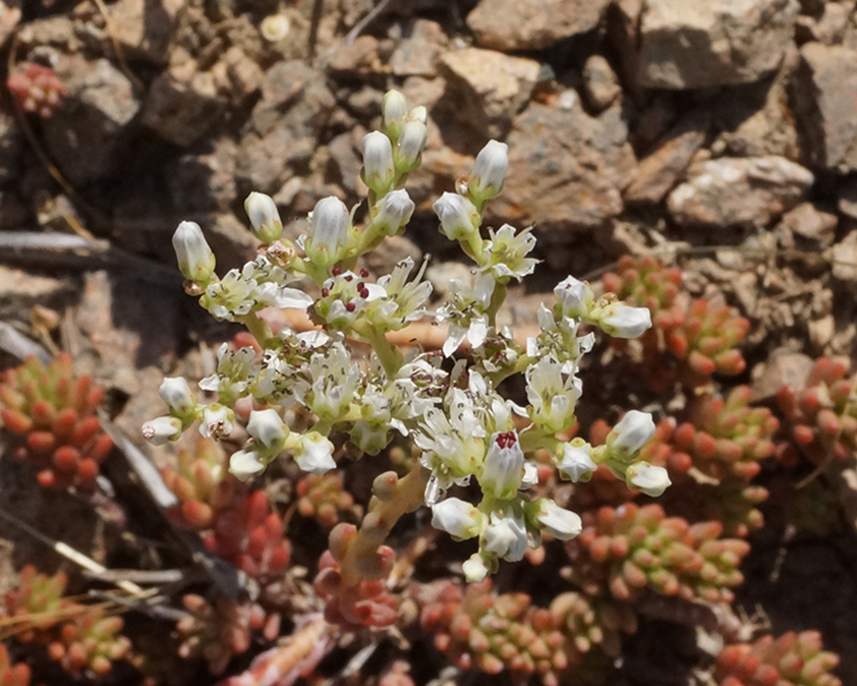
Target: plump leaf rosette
[[465, 430], [793, 659], [12, 674], [53, 412]]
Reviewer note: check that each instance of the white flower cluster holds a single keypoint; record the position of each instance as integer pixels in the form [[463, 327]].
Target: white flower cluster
[[465, 430]]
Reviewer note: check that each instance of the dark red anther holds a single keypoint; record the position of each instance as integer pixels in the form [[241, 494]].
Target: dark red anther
[[348, 277], [350, 307], [364, 273], [506, 440], [325, 292], [336, 271]]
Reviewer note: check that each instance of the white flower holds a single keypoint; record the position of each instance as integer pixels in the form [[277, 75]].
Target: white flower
[[328, 231], [459, 217], [458, 518], [394, 109], [489, 171], [266, 427], [245, 464], [531, 475], [649, 479], [162, 429], [403, 299], [334, 380], [316, 454], [474, 569], [466, 313], [264, 217], [217, 421], [506, 253], [378, 168], [557, 521], [574, 297], [419, 113], [394, 212], [632, 432], [552, 394], [175, 392], [505, 536], [622, 321], [502, 473], [195, 258], [411, 144], [576, 461]]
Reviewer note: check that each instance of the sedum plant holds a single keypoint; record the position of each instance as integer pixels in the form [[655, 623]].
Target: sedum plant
[[462, 429]]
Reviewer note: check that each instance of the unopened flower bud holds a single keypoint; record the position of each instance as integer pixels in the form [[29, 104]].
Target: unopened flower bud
[[574, 297], [175, 392], [576, 461], [328, 231], [315, 454], [264, 217], [489, 171], [245, 464], [505, 536], [378, 168], [458, 518], [411, 144], [623, 321], [162, 429], [474, 569], [502, 472], [195, 258], [419, 113], [394, 212], [632, 432], [267, 427], [557, 521], [649, 479], [394, 109], [459, 217]]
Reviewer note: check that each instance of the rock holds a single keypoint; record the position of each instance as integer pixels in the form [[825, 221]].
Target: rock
[[10, 15], [417, 53], [345, 162], [844, 259], [143, 27], [11, 145], [83, 134], [566, 169], [295, 89], [532, 24], [236, 75], [783, 368], [392, 250], [809, 222], [20, 290], [205, 182], [659, 171], [182, 104], [600, 83], [231, 240], [830, 27], [848, 197], [359, 58], [488, 88], [262, 163], [825, 98], [739, 192], [684, 45]]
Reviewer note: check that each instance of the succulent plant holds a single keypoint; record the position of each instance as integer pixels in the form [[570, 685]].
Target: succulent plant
[[12, 674], [54, 415], [323, 498], [36, 88]]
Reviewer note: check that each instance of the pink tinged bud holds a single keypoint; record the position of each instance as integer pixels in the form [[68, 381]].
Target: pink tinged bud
[[264, 217], [245, 464], [557, 521], [502, 473], [651, 480], [458, 518], [459, 217], [378, 167], [474, 569], [195, 258], [622, 321], [163, 429], [266, 427], [574, 297], [489, 171], [411, 144], [328, 231], [576, 461], [315, 454], [175, 392], [632, 432], [394, 109], [394, 212]]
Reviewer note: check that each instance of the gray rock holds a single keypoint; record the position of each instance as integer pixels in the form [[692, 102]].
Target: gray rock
[[83, 133], [566, 169], [345, 161], [847, 202], [600, 83], [182, 104], [486, 88], [417, 53], [739, 192], [825, 100], [262, 163], [830, 27], [143, 27], [20, 290], [10, 15], [685, 44], [844, 259], [660, 170], [205, 182], [783, 368], [808, 221], [532, 24], [359, 58], [293, 93]]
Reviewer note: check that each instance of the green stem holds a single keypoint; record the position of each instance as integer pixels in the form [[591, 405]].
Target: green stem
[[260, 329], [388, 354]]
